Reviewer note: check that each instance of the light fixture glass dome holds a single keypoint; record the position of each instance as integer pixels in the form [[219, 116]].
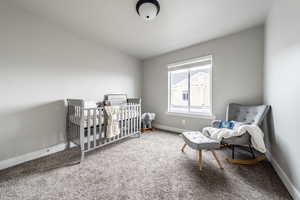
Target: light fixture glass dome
[[148, 11]]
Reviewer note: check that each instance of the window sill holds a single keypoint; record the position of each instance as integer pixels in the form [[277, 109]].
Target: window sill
[[190, 115]]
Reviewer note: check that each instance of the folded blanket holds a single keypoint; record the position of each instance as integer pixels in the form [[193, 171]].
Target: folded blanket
[[113, 128], [257, 136]]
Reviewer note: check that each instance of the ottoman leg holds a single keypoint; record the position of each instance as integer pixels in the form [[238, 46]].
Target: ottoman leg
[[182, 149], [217, 159], [200, 159]]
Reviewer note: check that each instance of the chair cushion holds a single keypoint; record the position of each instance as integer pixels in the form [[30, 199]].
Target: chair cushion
[[196, 140]]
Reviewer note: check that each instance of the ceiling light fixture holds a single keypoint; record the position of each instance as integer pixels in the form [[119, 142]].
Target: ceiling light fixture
[[148, 9]]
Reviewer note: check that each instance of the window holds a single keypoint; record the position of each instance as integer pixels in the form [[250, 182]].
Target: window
[[190, 86]]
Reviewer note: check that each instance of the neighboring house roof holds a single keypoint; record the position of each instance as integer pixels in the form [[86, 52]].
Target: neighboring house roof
[[181, 80]]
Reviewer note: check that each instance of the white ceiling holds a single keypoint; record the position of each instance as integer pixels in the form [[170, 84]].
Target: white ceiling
[[180, 23]]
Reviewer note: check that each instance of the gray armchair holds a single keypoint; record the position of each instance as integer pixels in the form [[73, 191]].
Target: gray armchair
[[248, 114]]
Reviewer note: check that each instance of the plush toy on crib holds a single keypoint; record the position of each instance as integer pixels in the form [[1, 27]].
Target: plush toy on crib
[[147, 119]]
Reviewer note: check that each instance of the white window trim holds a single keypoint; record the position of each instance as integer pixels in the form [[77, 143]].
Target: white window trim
[[208, 115], [192, 115]]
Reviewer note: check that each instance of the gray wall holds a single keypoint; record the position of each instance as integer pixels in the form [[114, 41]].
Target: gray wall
[[237, 75], [40, 65], [281, 85]]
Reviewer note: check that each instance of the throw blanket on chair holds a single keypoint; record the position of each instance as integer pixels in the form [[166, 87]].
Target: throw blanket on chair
[[257, 136], [112, 129]]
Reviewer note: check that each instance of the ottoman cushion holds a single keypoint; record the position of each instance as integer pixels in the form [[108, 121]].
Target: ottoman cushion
[[196, 140]]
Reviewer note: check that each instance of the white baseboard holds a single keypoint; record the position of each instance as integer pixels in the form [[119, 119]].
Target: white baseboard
[[168, 128], [32, 156], [284, 178]]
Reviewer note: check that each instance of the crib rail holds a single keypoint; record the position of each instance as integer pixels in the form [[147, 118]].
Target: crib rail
[[86, 127]]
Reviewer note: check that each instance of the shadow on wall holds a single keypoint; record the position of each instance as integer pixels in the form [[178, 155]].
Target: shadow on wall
[[274, 147], [32, 128], [270, 131]]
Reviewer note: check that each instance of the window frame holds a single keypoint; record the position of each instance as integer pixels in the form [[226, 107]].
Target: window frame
[[187, 64]]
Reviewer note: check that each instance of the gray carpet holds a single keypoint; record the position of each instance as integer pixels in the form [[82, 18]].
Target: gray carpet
[[151, 167]]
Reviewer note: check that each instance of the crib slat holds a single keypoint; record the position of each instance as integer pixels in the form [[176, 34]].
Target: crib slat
[[88, 128], [126, 116], [121, 118], [128, 120], [81, 132], [76, 114], [140, 117], [74, 130], [120, 122], [134, 118], [124, 121], [70, 130], [100, 123], [77, 131], [118, 117], [133, 115], [131, 119], [95, 126], [137, 118]]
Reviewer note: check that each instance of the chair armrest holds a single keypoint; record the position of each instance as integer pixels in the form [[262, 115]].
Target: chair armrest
[[215, 123]]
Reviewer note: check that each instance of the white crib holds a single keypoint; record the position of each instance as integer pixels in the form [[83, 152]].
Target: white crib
[[86, 127]]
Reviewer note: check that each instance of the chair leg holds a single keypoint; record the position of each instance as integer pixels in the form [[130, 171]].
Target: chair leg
[[182, 149], [68, 145], [217, 159], [200, 160], [232, 148], [252, 152], [82, 157]]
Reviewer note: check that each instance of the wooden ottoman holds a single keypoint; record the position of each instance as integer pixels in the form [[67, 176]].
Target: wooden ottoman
[[196, 140]]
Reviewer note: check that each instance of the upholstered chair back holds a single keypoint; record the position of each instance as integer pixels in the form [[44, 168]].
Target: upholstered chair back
[[250, 114]]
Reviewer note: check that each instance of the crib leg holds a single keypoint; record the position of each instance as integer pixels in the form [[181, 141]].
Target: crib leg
[[69, 145], [82, 156]]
